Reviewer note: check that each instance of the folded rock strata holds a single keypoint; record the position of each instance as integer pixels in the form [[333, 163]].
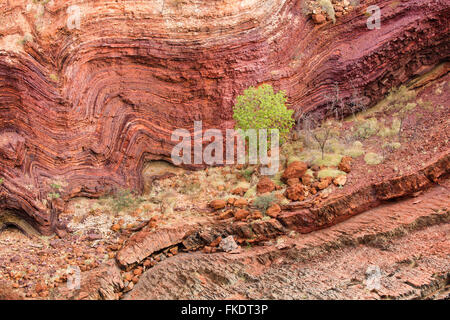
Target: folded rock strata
[[86, 108]]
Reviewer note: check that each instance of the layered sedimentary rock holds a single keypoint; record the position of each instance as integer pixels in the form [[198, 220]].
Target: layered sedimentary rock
[[82, 109], [328, 264]]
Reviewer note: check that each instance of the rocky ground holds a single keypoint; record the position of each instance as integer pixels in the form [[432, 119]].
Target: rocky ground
[[318, 229], [408, 241]]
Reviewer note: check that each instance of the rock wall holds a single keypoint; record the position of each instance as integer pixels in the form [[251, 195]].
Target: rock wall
[[84, 109]]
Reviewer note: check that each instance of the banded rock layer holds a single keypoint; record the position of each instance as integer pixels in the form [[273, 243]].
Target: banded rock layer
[[86, 108]]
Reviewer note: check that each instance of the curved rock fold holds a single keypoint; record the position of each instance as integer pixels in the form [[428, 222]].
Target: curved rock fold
[[85, 108]]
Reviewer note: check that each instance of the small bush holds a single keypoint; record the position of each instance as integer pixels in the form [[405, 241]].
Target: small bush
[[392, 145], [373, 158], [366, 128], [247, 173], [54, 195], [329, 160], [261, 108], [264, 202], [354, 153], [357, 144], [277, 178], [124, 200], [191, 188], [242, 184], [409, 107], [333, 173], [335, 146], [427, 105], [293, 159], [397, 98], [403, 112], [55, 186], [175, 3], [307, 156], [355, 150], [292, 148], [390, 131], [250, 192]]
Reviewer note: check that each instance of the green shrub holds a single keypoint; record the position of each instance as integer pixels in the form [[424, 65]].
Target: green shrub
[[427, 105], [355, 150], [55, 186], [357, 144], [54, 195], [392, 145], [373, 158], [409, 107], [292, 148], [247, 173], [333, 173], [1, 181], [261, 108], [354, 153], [366, 128], [277, 178], [123, 200], [335, 146], [390, 131], [329, 160], [400, 102], [397, 98], [403, 111], [250, 192], [190, 188], [295, 158], [264, 202], [307, 156]]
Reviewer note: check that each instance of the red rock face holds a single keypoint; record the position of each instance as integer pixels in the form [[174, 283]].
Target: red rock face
[[85, 108]]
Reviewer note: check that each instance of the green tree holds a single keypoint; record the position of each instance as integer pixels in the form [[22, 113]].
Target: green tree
[[262, 108]]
